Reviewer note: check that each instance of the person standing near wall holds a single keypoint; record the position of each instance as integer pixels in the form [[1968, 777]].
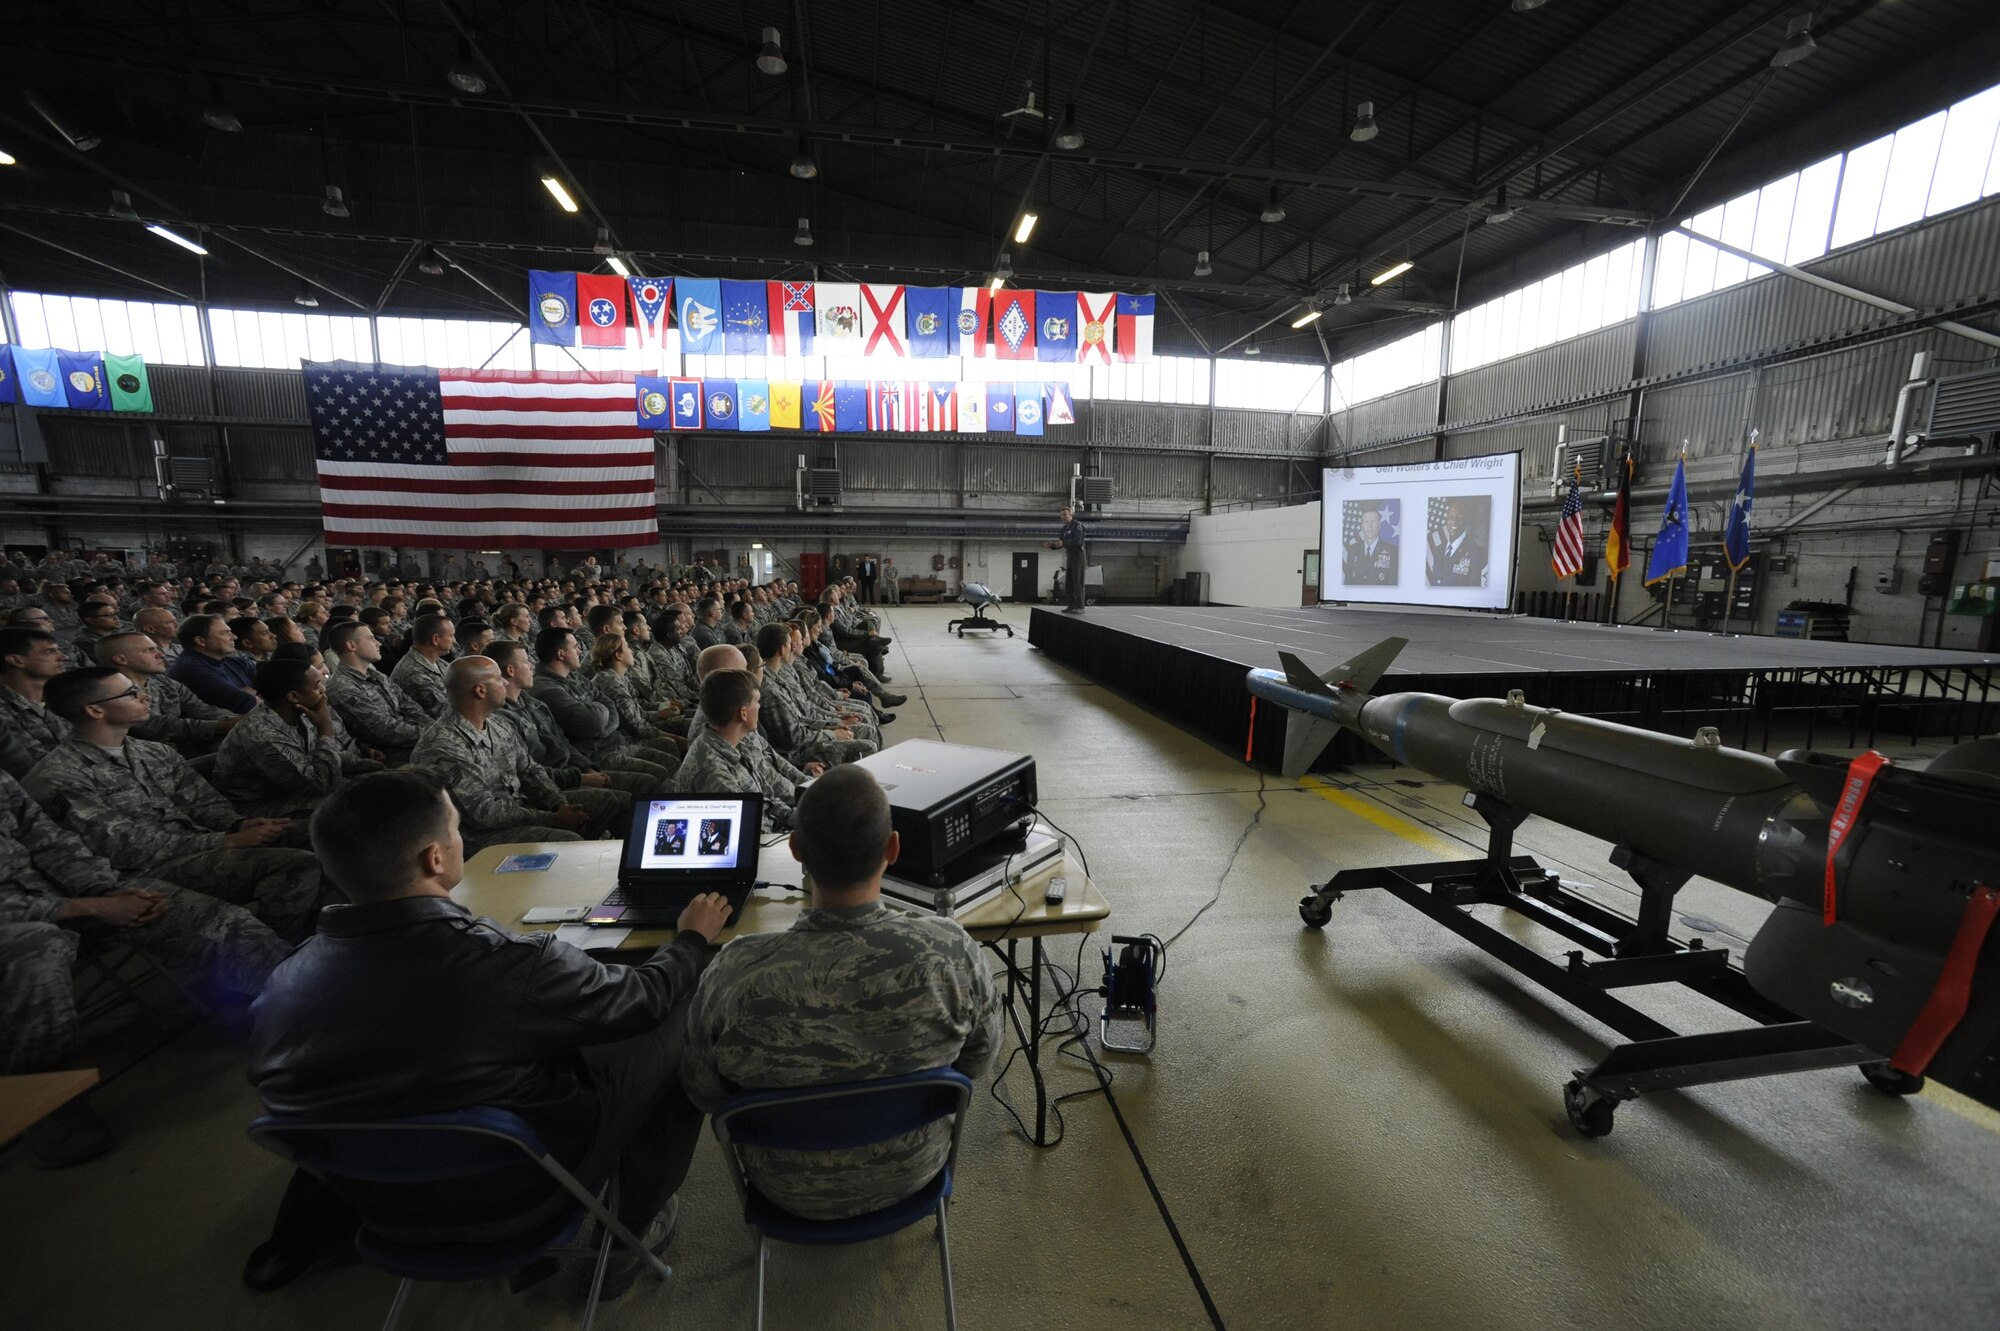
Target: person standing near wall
[[1070, 542]]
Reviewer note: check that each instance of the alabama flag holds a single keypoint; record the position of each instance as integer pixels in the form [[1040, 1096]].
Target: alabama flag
[[882, 321]]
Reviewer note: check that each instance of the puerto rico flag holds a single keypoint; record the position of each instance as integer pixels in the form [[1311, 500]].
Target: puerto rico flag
[[1135, 328], [600, 306], [941, 407], [791, 314], [1014, 325], [1096, 326], [969, 319], [652, 302], [882, 321]]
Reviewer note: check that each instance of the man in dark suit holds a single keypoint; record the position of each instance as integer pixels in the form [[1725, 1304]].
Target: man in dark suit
[[865, 572], [1370, 560], [1459, 560]]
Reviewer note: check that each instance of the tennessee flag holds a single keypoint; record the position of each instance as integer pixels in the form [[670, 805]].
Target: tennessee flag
[[1014, 325], [785, 398], [600, 301], [1097, 326]]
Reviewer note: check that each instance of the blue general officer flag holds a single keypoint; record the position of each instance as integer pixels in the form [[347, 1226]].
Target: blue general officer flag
[[850, 406], [930, 316], [1670, 547], [1028, 407], [1736, 537], [83, 380], [656, 402], [1000, 407], [753, 404], [41, 377], [552, 308], [1055, 313], [745, 324], [719, 399], [10, 390], [698, 314]]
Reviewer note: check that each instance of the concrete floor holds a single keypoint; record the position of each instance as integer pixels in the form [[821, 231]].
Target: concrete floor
[[1355, 1128]]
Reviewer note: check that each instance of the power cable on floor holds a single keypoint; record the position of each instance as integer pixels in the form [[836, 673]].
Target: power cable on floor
[[1255, 818]]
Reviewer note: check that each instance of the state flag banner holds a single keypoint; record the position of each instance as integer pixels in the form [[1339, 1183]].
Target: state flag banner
[[698, 314], [837, 318], [10, 388], [656, 402], [718, 400], [600, 298], [1014, 325], [850, 406], [789, 307], [745, 321], [686, 398], [916, 407], [1000, 407], [1134, 333], [1027, 407], [928, 313], [552, 308], [753, 405], [821, 412], [131, 387], [83, 380], [40, 377], [970, 317], [652, 305], [885, 406], [882, 329], [1096, 326], [1055, 315], [1058, 404], [785, 399], [942, 408], [972, 408]]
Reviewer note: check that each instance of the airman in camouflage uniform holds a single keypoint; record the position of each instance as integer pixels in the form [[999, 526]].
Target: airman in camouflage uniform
[[28, 730], [591, 725], [375, 707], [37, 996], [715, 766], [175, 716], [274, 768]]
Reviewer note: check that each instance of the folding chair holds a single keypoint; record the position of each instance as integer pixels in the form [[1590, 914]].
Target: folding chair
[[435, 1148], [836, 1118]]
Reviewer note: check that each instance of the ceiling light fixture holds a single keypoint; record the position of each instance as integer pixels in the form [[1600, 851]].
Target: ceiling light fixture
[[1364, 123], [617, 265], [80, 139], [1253, 350], [1312, 312], [995, 284], [306, 297], [559, 194], [1501, 211], [121, 206], [335, 204], [1524, 6], [464, 75], [804, 235], [603, 245], [803, 166], [771, 56], [1343, 296], [6, 158], [217, 115], [1026, 227], [176, 237], [1006, 268], [1394, 271], [1202, 267], [1798, 43], [1069, 138], [432, 263], [1274, 211]]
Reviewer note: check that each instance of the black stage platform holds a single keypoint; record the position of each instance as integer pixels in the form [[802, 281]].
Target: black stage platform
[[1189, 663]]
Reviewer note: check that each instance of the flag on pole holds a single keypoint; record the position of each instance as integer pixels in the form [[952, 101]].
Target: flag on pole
[[1055, 312], [1014, 325], [698, 314], [552, 308], [1097, 326], [1618, 537], [882, 320], [656, 402], [1736, 536], [83, 380], [791, 313], [652, 303], [970, 320], [1135, 328], [1670, 548], [479, 458], [687, 403], [837, 318], [131, 387], [744, 321], [1567, 558], [600, 298], [928, 312]]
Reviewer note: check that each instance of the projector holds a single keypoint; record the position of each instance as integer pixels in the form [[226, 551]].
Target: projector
[[946, 800]]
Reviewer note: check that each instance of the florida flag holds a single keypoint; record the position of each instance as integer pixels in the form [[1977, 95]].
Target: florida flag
[[1096, 326], [791, 315]]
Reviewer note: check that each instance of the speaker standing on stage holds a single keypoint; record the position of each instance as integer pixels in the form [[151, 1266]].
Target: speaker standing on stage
[[1071, 544]]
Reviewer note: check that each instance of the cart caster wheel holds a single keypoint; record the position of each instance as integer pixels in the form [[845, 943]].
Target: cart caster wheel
[[1589, 1113], [1891, 1082], [1315, 910]]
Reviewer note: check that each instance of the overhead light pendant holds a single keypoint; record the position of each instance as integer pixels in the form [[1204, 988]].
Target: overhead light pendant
[[1274, 212], [464, 74], [1025, 227], [1501, 211], [1006, 268], [1202, 268], [6, 158], [217, 115], [603, 245], [1798, 43], [1310, 313], [121, 206], [1343, 296], [1524, 6], [1394, 271], [176, 237], [804, 235], [559, 194], [335, 204], [80, 139], [617, 265], [771, 56], [1069, 138], [306, 297], [1364, 123], [803, 165], [1253, 350], [996, 283], [432, 263]]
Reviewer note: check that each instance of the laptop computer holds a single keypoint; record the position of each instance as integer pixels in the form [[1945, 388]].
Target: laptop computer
[[679, 846]]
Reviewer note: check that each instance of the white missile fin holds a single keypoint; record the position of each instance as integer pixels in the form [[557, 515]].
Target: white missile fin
[[1362, 672], [1306, 737], [1300, 676]]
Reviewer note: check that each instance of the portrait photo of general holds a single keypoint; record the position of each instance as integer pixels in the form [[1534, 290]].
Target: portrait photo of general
[[1370, 540], [671, 837], [1457, 534], [714, 835]]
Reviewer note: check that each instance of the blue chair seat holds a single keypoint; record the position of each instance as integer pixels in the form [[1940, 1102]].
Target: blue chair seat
[[760, 1212], [467, 1261]]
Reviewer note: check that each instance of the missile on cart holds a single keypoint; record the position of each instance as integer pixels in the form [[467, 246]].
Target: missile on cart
[[1902, 961]]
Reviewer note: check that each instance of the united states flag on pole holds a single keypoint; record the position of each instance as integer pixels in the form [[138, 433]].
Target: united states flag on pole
[[1568, 557], [480, 458]]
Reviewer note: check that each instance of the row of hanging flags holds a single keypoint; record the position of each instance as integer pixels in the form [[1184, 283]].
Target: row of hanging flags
[[75, 380], [849, 405], [722, 317]]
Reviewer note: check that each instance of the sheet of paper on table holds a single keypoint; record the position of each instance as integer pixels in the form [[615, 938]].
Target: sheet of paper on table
[[593, 940]]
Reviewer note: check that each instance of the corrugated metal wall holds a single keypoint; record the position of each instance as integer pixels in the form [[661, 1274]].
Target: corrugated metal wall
[[1593, 362], [1392, 416]]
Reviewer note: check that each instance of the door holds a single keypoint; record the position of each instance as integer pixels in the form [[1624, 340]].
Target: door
[[1027, 576], [1309, 580]]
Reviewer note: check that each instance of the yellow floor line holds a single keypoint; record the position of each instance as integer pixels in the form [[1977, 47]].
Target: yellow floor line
[[1965, 1107], [1415, 833]]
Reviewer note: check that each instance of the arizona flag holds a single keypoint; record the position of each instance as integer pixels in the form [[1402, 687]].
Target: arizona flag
[[969, 320], [941, 407], [1135, 328], [1014, 325], [652, 302], [686, 398], [972, 408], [882, 321], [790, 307], [552, 308], [1055, 317], [837, 318], [820, 410], [600, 299], [1096, 326]]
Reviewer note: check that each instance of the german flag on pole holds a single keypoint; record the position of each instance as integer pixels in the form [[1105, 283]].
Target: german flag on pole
[[1618, 538]]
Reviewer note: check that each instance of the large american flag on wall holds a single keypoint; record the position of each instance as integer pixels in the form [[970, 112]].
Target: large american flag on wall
[[480, 458]]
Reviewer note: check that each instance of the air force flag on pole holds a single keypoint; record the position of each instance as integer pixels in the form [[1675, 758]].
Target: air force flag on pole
[[1670, 547], [1736, 536]]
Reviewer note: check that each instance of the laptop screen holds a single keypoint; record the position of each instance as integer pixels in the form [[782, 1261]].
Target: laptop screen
[[687, 837]]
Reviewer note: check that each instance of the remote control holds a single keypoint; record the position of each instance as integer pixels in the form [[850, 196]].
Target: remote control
[[1057, 889]]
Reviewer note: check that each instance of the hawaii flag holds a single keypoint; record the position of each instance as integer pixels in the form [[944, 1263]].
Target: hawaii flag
[[972, 408], [652, 302], [882, 321], [969, 321], [1014, 325], [791, 313], [888, 405], [1097, 326], [837, 318]]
